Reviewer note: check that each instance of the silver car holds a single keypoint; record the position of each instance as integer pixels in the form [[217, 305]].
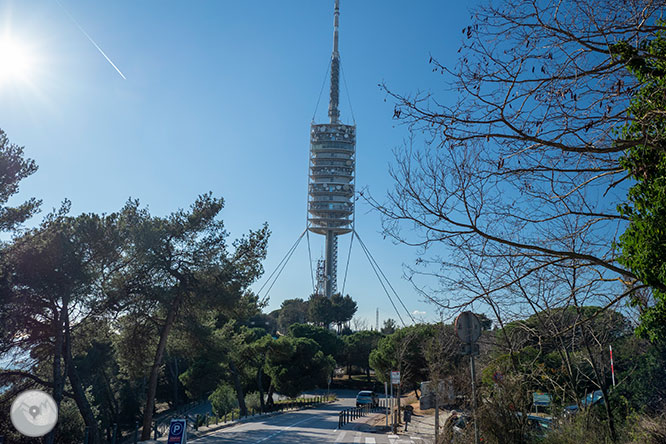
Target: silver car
[[366, 397]]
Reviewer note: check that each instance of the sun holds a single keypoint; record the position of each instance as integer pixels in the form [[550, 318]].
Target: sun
[[17, 61]]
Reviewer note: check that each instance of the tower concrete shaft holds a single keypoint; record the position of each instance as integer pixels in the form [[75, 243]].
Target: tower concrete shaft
[[332, 172]]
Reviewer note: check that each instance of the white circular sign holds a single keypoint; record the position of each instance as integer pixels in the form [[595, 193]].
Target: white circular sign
[[34, 413], [468, 327]]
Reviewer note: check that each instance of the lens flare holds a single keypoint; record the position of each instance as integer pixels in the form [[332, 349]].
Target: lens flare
[[17, 61]]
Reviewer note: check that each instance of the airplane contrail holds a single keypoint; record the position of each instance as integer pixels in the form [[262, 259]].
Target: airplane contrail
[[91, 40]]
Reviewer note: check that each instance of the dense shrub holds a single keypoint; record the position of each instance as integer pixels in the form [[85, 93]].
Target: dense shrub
[[223, 399], [253, 401]]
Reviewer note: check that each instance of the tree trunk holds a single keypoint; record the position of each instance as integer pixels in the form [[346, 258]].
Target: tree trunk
[[269, 395], [155, 369], [173, 370], [239, 388], [399, 415], [260, 384], [58, 379], [77, 387]]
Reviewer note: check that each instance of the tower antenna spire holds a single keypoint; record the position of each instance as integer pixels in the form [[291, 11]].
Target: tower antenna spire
[[333, 111], [332, 174]]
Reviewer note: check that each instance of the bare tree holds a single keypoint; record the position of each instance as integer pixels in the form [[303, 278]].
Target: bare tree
[[442, 354], [525, 164]]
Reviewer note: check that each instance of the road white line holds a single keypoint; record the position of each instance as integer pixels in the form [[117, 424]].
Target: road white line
[[340, 437], [285, 429], [370, 441]]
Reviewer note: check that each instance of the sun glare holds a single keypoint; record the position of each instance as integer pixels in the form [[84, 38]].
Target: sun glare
[[16, 61]]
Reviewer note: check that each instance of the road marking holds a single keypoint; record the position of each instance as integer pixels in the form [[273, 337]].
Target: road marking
[[370, 441], [357, 439], [340, 437], [285, 429]]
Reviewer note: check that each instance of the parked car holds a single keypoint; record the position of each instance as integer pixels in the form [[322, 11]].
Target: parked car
[[366, 397], [590, 399], [539, 426]]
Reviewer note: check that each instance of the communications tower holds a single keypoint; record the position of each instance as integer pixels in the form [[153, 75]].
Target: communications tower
[[332, 172]]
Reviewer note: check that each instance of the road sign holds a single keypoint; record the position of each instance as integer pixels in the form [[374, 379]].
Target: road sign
[[395, 378], [468, 327], [470, 349], [542, 399], [177, 431]]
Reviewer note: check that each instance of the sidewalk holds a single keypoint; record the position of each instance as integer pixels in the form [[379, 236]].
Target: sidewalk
[[423, 425]]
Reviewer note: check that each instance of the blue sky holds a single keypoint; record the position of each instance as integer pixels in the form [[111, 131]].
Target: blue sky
[[219, 96]]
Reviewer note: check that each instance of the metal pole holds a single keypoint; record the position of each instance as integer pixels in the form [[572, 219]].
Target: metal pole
[[436, 413], [476, 426], [391, 402], [386, 400], [85, 435], [610, 347], [115, 431], [136, 432]]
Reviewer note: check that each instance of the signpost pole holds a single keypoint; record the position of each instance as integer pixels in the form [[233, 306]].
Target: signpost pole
[[468, 329], [387, 401], [391, 402], [476, 425]]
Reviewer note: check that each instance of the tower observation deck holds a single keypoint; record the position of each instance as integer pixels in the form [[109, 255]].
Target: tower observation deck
[[332, 173]]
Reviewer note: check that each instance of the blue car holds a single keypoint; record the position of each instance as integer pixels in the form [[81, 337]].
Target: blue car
[[591, 399]]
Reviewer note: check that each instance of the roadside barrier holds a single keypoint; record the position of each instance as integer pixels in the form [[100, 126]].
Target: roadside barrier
[[196, 421], [348, 415]]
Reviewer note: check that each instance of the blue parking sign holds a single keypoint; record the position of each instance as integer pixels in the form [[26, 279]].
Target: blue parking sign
[[177, 431]]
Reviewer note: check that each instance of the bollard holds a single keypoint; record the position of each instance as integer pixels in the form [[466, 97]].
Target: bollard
[[136, 432], [155, 431], [196, 422], [85, 435], [115, 432]]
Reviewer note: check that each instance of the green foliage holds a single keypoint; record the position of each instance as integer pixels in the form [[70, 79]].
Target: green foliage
[[253, 401], [320, 310], [329, 343], [14, 168], [643, 243], [223, 400], [344, 309], [390, 326], [403, 351], [359, 345], [297, 364], [503, 414], [292, 311], [587, 427], [202, 377], [70, 424]]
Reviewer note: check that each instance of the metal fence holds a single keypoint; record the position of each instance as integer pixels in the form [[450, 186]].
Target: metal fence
[[196, 421], [161, 428]]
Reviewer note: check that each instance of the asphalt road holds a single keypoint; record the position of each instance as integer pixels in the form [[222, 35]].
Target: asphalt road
[[316, 425]]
